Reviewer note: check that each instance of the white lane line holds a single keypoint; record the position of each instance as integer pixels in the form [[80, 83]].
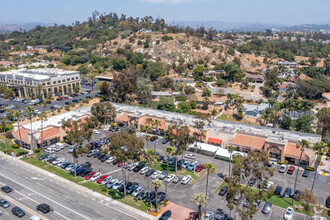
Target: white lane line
[[80, 203], [48, 198], [65, 196], [51, 190]]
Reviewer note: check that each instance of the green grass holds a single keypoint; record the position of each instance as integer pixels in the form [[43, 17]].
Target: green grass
[[221, 185], [223, 117], [9, 148], [129, 200]]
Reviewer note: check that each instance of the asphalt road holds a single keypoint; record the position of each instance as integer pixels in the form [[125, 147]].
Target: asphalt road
[[32, 187]]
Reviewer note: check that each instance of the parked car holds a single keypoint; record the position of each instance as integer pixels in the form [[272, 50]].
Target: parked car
[[180, 163], [282, 168], [256, 204], [144, 170], [6, 189], [288, 213], [278, 190], [223, 191], [130, 189], [267, 208], [163, 175], [165, 141], [137, 191], [110, 160], [291, 170], [101, 178], [327, 202], [148, 137], [153, 138], [287, 192], [208, 216], [172, 160], [269, 184], [190, 156], [4, 203], [192, 166], [150, 172], [169, 178], [156, 174], [166, 215], [118, 184], [111, 183], [17, 211], [160, 198], [151, 196], [271, 164], [199, 168], [252, 181], [177, 179], [306, 173], [185, 180], [44, 208], [186, 164], [95, 177], [138, 167]]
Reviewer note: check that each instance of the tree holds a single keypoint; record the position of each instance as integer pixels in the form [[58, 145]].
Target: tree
[[104, 112], [234, 72], [210, 169], [166, 104], [323, 117], [105, 90], [154, 70], [304, 123], [170, 152], [286, 123], [320, 148], [43, 117], [302, 145], [151, 158], [157, 184], [313, 60], [125, 147], [206, 102], [206, 93], [143, 91], [308, 199], [189, 90], [29, 112], [184, 107], [199, 199], [118, 64], [230, 150], [198, 71], [18, 115]]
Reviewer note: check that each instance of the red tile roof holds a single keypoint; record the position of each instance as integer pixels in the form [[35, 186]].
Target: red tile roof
[[49, 133], [214, 140], [162, 124], [24, 135], [248, 141], [122, 118], [291, 149]]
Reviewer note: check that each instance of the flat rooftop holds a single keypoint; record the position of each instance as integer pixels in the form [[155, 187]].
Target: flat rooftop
[[38, 74]]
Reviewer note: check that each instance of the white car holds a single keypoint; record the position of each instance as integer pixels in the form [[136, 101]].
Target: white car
[[186, 164], [288, 213], [110, 160], [190, 156], [137, 191], [69, 167], [118, 184], [138, 134], [144, 170], [156, 174], [208, 215], [111, 183], [169, 178], [106, 180], [95, 176], [49, 150], [186, 179], [192, 166], [269, 184], [34, 218], [96, 131], [132, 166], [282, 168], [57, 161]]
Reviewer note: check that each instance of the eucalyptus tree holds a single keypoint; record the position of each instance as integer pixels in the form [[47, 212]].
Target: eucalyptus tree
[[29, 113], [18, 115]]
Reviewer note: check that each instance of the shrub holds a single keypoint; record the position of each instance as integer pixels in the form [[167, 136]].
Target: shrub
[[253, 86], [198, 84], [180, 98], [15, 146], [9, 135], [9, 152], [18, 154], [270, 191], [310, 168], [37, 150]]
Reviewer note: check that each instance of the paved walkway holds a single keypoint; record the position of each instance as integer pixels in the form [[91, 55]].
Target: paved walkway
[[178, 212]]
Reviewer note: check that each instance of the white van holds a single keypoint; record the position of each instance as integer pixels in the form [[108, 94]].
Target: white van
[[60, 145]]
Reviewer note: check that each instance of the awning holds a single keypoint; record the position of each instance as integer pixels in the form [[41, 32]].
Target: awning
[[223, 153], [205, 147], [214, 141]]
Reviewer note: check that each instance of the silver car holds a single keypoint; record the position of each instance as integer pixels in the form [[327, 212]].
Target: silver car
[[137, 191]]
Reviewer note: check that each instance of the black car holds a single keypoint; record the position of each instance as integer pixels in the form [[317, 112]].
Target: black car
[[138, 167], [160, 198], [100, 156], [278, 190], [44, 208], [17, 211], [306, 173], [153, 138], [65, 165], [160, 158], [80, 170], [151, 196], [150, 172], [121, 189], [131, 188], [142, 195], [67, 103], [287, 192], [165, 141], [267, 208], [223, 191], [252, 181], [75, 100], [327, 202], [103, 159], [6, 189], [42, 156], [180, 162], [85, 172], [166, 215], [97, 154], [296, 194], [172, 161]]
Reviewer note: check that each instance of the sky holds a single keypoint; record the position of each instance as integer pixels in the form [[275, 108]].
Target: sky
[[287, 12]]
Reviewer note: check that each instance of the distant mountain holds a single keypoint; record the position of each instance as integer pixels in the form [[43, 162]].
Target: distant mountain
[[7, 28], [254, 27]]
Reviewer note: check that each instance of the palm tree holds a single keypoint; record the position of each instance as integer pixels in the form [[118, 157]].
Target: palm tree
[[18, 115], [151, 157], [199, 199], [43, 117], [29, 113], [39, 88], [169, 151], [156, 123], [157, 184], [147, 129], [210, 169], [302, 145], [230, 150], [319, 147], [150, 121]]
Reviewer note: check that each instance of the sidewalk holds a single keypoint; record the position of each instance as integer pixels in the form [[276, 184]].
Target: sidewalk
[[99, 197], [324, 169]]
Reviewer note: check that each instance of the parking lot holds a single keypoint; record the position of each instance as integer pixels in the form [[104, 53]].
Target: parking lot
[[181, 194]]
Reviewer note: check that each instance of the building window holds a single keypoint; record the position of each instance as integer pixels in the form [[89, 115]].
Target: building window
[[59, 81], [77, 77], [48, 83], [63, 80], [43, 84], [54, 82], [72, 78]]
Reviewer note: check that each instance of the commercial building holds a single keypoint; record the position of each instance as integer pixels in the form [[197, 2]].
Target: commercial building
[[279, 143], [44, 82]]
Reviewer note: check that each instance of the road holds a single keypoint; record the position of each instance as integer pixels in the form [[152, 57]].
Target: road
[[33, 186]]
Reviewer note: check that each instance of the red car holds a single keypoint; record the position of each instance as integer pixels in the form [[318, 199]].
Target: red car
[[199, 168], [291, 170], [88, 176], [99, 180], [62, 98]]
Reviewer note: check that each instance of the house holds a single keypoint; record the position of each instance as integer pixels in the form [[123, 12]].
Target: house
[[296, 114], [6, 64], [290, 65], [214, 73], [158, 94], [183, 80], [284, 86], [254, 110], [254, 78], [284, 75]]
